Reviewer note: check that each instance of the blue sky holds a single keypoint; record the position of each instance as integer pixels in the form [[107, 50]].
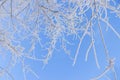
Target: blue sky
[[60, 65]]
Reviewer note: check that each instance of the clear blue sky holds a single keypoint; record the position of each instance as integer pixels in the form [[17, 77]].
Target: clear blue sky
[[60, 65]]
